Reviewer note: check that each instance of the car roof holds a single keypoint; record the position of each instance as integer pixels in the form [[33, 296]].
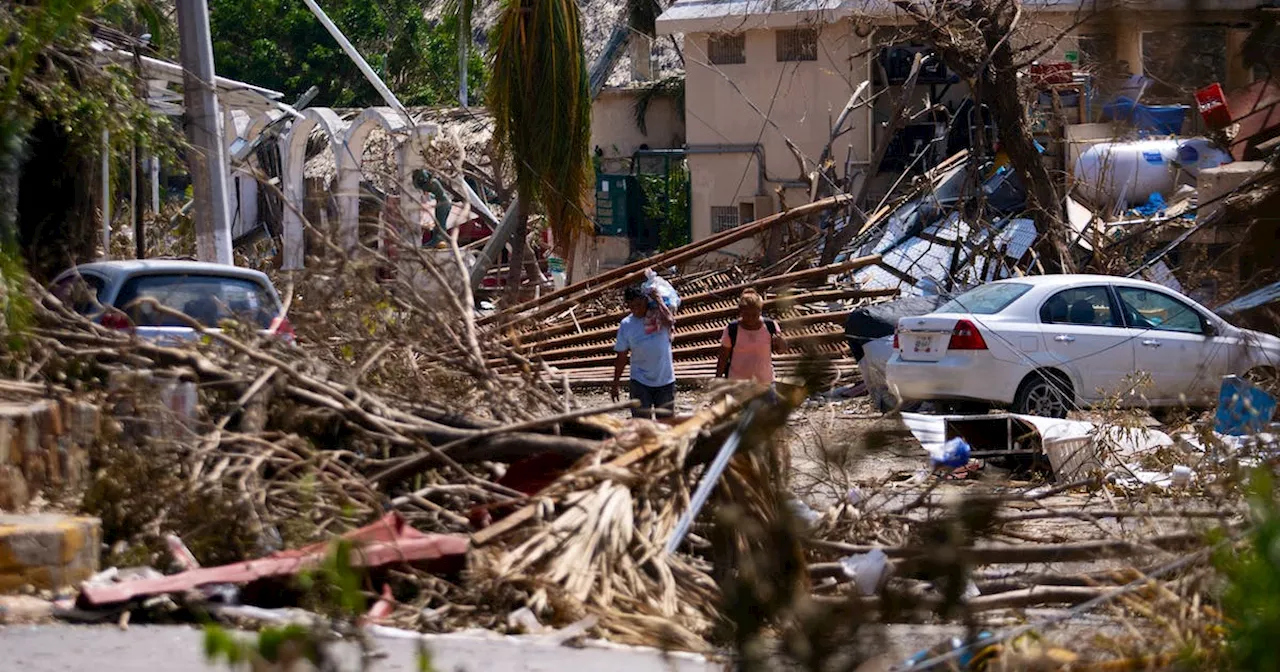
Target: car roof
[[123, 268], [1065, 279]]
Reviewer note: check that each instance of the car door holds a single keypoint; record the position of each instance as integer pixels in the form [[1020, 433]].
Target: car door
[[1085, 336], [1174, 344]]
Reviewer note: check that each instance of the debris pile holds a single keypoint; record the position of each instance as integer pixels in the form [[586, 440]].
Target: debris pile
[[572, 329]]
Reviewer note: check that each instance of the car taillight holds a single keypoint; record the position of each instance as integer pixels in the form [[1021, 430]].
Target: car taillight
[[281, 326], [966, 337], [116, 320], [895, 339]]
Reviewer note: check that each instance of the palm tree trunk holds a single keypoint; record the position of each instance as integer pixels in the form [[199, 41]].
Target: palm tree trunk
[[516, 272], [12, 137], [464, 48]]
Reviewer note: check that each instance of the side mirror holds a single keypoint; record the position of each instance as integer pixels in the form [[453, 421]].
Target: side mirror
[[1211, 329]]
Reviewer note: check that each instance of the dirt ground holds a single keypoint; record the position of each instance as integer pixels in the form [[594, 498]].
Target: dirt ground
[[840, 448]]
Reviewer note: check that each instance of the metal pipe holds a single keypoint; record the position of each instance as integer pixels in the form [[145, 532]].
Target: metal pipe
[[106, 194], [709, 479], [756, 149], [153, 164], [355, 56]]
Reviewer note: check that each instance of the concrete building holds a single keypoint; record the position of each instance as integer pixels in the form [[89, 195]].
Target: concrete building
[[766, 78]]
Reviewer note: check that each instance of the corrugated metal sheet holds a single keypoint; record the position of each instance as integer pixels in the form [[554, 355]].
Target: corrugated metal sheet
[[1268, 294], [1016, 238]]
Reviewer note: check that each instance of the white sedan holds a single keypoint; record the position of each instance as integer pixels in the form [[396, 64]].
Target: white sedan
[[1047, 344]]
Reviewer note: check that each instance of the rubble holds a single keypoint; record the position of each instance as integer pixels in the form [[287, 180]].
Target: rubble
[[479, 492]]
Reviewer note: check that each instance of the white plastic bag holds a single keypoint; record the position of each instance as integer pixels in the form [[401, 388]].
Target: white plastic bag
[[866, 570], [665, 291]]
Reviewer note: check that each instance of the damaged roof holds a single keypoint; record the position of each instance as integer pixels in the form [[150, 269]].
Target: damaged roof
[[598, 18], [702, 16]]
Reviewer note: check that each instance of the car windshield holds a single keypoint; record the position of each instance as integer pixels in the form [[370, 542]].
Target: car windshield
[[208, 299], [986, 299]]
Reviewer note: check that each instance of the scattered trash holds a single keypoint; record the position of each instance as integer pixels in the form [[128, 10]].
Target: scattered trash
[[665, 291], [524, 621], [1182, 476], [1243, 408], [866, 570], [953, 644], [803, 512], [954, 454]]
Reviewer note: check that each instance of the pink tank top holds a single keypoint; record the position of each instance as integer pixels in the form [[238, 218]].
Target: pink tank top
[[752, 356]]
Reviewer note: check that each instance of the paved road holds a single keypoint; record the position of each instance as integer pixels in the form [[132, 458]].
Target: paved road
[[60, 648]]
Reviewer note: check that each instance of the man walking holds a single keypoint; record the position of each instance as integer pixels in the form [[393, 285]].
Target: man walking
[[748, 344], [644, 338]]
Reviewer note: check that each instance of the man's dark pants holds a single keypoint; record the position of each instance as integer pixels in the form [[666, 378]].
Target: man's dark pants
[[662, 398]]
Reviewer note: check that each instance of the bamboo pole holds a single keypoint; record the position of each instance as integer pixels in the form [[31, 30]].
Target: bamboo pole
[[593, 287]]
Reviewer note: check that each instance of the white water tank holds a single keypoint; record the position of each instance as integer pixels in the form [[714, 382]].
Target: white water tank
[[1129, 172]]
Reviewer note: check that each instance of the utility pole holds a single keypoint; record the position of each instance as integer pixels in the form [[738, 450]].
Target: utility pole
[[137, 182], [208, 159]]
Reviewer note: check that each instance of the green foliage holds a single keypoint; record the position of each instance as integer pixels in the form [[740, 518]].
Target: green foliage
[[45, 53], [667, 202], [669, 87], [16, 306], [50, 74], [1251, 601], [280, 45], [541, 107], [335, 585]]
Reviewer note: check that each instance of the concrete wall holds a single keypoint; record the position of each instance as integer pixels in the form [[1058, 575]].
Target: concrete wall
[[802, 98], [615, 132], [616, 135]]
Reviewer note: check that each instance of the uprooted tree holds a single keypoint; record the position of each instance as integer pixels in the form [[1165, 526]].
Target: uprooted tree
[[978, 40]]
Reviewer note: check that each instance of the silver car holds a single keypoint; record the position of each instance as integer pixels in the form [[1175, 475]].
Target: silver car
[[115, 294]]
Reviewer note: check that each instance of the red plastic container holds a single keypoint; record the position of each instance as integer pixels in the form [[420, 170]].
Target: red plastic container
[[1212, 103], [1050, 74]]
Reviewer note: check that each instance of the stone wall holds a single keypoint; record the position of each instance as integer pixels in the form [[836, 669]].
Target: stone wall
[[44, 443]]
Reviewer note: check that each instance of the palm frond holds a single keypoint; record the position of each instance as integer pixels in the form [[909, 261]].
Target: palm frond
[[541, 105], [669, 87]]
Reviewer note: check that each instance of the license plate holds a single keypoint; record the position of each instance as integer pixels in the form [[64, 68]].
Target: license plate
[[922, 344]]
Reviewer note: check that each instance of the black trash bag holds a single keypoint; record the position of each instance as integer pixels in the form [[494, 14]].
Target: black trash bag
[[868, 323]]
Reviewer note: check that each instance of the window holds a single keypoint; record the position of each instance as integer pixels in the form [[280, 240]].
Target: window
[[208, 299], [81, 293], [1097, 53], [1145, 309], [724, 217], [727, 49], [1180, 60], [1081, 305], [985, 299], [797, 44]]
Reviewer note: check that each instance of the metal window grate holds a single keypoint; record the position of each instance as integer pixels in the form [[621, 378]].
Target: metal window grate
[[727, 49], [797, 44], [724, 217]]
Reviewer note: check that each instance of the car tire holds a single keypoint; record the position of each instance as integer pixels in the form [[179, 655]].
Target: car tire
[[1044, 395]]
